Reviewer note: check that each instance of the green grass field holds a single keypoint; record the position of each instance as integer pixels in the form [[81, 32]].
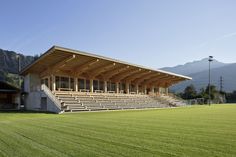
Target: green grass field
[[190, 131]]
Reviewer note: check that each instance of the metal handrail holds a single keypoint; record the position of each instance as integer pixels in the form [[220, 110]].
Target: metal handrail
[[49, 93]]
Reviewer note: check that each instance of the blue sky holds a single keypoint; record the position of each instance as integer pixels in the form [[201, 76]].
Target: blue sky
[[154, 33]]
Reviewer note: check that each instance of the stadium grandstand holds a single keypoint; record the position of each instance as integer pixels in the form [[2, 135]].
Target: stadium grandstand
[[66, 80]]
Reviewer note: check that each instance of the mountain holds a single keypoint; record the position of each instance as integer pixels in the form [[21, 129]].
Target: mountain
[[194, 67], [9, 65], [9, 61], [198, 70]]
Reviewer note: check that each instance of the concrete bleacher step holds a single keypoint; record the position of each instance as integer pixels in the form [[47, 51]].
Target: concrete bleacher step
[[91, 104], [96, 108], [74, 110], [73, 104], [104, 101], [76, 107], [113, 107]]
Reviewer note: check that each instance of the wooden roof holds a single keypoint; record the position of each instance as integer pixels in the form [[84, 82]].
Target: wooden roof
[[59, 60]]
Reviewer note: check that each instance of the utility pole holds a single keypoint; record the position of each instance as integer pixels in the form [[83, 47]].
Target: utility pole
[[222, 87], [19, 69], [221, 84], [210, 59]]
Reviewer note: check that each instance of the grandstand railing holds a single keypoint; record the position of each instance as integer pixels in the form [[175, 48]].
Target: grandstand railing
[[49, 93]]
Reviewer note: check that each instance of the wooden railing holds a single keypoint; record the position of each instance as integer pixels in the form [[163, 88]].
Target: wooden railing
[[49, 93]]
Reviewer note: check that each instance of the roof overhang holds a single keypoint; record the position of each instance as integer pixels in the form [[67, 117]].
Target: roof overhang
[[77, 63]]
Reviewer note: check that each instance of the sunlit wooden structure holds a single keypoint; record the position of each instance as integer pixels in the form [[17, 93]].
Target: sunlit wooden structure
[[63, 69]]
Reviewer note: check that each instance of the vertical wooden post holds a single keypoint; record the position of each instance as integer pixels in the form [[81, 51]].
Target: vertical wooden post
[[91, 85], [53, 83], [145, 89], [127, 87], [137, 89], [153, 89], [49, 83], [167, 90], [159, 90], [117, 87], [76, 83], [105, 86]]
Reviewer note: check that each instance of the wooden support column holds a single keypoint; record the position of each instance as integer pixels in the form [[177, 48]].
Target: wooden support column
[[153, 89], [53, 83], [127, 87], [49, 83], [117, 87], [137, 88], [76, 83], [105, 86], [166, 90], [159, 90], [91, 85], [145, 89]]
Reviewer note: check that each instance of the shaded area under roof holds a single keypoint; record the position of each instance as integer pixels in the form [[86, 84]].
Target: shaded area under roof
[[8, 88]]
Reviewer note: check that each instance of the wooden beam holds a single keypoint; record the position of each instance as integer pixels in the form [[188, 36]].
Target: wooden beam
[[135, 76], [46, 72], [109, 74], [49, 72], [121, 76], [155, 78], [146, 76], [167, 79], [82, 68], [158, 84], [56, 67], [176, 82], [63, 63], [101, 69]]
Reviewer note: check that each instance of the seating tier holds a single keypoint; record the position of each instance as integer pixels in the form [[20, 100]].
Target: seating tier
[[80, 101]]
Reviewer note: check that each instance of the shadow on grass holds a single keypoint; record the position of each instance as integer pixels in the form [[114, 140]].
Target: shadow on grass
[[24, 111]]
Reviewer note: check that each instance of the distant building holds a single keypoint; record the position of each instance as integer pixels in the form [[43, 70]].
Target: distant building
[[9, 97], [71, 71]]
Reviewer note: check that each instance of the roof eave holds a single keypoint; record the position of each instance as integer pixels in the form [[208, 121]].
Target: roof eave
[[54, 48]]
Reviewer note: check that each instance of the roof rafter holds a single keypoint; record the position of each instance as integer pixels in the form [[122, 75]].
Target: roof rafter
[[146, 76], [155, 78], [109, 74], [166, 80], [82, 68], [56, 67], [137, 75], [101, 69], [121, 76]]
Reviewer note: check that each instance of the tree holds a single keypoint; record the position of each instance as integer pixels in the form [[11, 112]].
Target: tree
[[189, 92], [213, 91], [231, 97], [216, 96]]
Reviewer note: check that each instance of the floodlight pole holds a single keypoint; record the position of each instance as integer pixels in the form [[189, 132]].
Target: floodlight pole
[[19, 68], [210, 59]]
